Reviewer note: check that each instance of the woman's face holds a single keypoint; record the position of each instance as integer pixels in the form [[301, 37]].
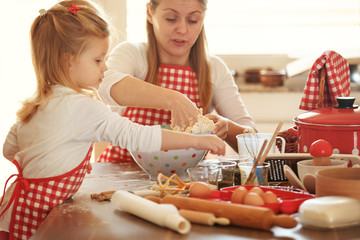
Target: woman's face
[[177, 24]]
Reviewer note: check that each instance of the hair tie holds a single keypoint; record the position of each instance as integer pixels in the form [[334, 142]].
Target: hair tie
[[73, 9], [42, 12]]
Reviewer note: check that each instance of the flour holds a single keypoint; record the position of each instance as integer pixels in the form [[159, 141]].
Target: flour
[[202, 125]]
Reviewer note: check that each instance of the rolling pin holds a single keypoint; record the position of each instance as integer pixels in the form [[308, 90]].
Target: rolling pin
[[238, 214], [203, 217], [164, 215]]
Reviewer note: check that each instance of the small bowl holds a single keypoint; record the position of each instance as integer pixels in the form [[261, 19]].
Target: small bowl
[[272, 78], [305, 166], [168, 162], [338, 182]]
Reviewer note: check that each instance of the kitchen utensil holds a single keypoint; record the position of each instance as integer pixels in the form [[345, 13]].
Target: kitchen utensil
[[235, 158], [255, 164], [354, 159], [321, 151], [168, 162], [162, 215], [289, 198], [330, 212], [293, 179], [272, 141], [251, 142], [226, 173], [244, 140], [338, 182], [272, 78], [198, 174], [238, 214], [306, 166], [310, 182], [260, 176], [339, 125], [203, 217]]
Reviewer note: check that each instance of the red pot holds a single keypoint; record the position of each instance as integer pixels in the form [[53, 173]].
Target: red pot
[[339, 125]]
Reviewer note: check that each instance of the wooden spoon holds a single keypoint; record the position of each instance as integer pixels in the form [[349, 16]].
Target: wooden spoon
[[256, 162], [293, 179]]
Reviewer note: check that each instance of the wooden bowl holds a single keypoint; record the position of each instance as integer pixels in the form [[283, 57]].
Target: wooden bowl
[[252, 75], [272, 78], [338, 182]]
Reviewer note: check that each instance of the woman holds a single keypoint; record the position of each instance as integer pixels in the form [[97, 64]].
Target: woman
[[175, 57]]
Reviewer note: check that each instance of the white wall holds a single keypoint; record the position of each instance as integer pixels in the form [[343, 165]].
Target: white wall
[[16, 72]]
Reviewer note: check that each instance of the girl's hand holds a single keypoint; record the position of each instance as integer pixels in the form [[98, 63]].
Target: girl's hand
[[183, 111], [211, 142], [221, 126]]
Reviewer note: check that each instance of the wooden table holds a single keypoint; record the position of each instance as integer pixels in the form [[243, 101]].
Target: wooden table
[[83, 218]]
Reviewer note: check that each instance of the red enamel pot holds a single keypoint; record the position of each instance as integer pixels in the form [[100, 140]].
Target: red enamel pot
[[339, 125]]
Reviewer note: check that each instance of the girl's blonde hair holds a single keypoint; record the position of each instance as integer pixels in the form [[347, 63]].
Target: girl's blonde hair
[[56, 35], [199, 60]]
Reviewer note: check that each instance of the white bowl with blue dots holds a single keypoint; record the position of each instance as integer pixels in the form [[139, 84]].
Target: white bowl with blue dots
[[168, 162]]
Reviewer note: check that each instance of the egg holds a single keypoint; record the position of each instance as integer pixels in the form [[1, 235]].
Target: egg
[[239, 194], [199, 189], [269, 197], [252, 198], [257, 190]]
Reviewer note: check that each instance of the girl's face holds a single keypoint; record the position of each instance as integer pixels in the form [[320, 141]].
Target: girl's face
[[177, 24], [87, 70]]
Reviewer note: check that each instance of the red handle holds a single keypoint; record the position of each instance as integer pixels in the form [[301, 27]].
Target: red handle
[[294, 131]]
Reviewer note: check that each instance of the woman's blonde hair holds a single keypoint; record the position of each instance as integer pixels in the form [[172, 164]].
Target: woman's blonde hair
[[199, 60], [55, 35]]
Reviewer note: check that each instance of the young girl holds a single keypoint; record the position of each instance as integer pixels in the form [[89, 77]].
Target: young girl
[[174, 57], [51, 142]]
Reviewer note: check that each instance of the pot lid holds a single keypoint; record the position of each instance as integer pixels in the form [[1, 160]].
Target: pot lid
[[344, 114]]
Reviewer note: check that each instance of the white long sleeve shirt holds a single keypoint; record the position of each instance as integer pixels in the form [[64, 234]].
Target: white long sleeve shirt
[[130, 59], [58, 137]]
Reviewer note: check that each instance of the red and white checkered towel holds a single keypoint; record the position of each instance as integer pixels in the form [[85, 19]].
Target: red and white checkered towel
[[337, 82]]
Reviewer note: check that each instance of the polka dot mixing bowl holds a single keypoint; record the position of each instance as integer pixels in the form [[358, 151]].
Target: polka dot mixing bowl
[[168, 162]]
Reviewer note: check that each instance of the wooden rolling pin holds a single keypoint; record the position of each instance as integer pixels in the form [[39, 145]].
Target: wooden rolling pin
[[203, 217], [238, 214]]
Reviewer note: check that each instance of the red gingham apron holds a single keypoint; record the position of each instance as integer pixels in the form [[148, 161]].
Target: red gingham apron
[[337, 81], [34, 198], [179, 78]]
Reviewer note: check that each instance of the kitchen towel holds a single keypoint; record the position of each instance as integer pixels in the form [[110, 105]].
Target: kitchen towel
[[336, 83]]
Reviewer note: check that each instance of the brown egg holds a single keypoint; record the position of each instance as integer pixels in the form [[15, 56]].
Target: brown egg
[[257, 190], [200, 189], [239, 194], [252, 198], [269, 197]]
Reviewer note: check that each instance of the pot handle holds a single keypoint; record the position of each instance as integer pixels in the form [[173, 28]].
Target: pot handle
[[293, 131]]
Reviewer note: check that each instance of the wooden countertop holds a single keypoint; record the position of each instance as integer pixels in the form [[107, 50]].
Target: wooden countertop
[[83, 218]]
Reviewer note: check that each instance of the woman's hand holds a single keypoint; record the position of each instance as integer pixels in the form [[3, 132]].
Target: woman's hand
[[221, 126], [227, 129], [133, 92], [183, 111]]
